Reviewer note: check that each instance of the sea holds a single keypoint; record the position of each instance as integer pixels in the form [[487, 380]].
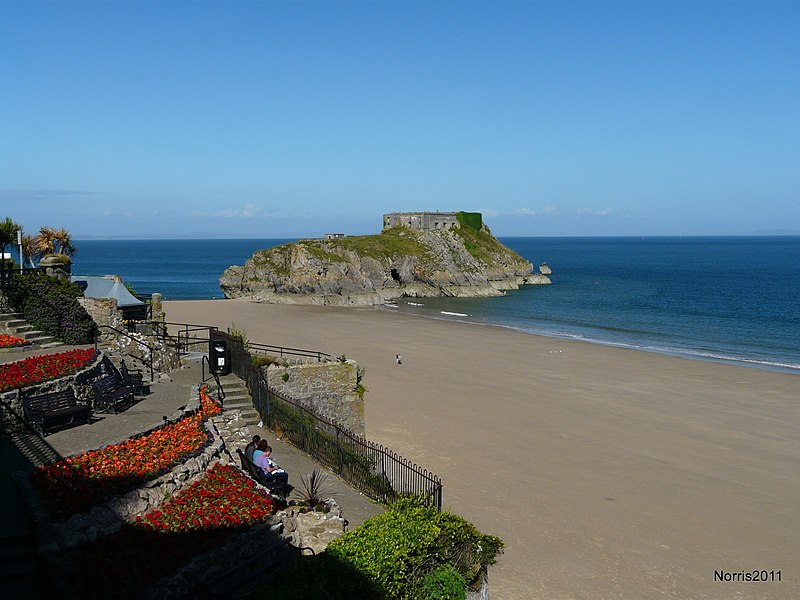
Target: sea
[[728, 299]]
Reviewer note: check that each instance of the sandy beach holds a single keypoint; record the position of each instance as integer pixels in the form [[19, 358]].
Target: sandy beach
[[609, 473]]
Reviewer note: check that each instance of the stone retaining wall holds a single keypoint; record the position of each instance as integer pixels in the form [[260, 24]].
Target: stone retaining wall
[[304, 530], [107, 518], [12, 419], [104, 311], [330, 388], [228, 431]]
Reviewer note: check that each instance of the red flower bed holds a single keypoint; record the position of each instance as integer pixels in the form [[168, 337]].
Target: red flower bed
[[195, 521], [36, 369], [77, 483], [223, 498], [9, 341]]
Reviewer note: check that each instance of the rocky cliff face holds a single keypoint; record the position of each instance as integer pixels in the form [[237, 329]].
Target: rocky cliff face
[[364, 270]]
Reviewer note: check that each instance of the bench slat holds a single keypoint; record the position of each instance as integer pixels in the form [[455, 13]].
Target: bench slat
[[48, 410], [109, 392]]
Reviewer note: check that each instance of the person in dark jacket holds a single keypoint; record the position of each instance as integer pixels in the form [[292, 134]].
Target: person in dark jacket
[[251, 447]]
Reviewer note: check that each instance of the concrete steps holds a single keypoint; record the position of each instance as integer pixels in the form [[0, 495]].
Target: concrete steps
[[238, 398], [19, 327]]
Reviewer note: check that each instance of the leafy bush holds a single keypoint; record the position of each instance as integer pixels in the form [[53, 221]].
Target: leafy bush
[[445, 583], [411, 551], [51, 305], [470, 219], [240, 333]]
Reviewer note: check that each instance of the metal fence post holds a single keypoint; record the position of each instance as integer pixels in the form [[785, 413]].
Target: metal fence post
[[302, 428], [338, 452]]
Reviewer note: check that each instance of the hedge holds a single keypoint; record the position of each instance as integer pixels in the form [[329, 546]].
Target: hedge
[[51, 306], [409, 552]]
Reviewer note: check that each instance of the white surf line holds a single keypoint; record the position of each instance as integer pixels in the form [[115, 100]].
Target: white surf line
[[444, 312]]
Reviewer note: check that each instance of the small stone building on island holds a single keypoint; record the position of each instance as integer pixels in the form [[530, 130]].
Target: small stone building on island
[[424, 221]]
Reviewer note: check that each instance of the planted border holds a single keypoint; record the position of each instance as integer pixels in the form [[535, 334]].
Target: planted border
[[38, 369], [11, 341], [76, 483], [195, 521]]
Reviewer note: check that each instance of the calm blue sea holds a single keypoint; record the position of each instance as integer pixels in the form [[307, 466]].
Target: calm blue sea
[[719, 298]]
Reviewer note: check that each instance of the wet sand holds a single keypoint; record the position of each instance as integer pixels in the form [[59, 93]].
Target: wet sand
[[609, 473]]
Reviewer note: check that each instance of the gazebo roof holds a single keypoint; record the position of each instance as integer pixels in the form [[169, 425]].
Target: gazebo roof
[[106, 286]]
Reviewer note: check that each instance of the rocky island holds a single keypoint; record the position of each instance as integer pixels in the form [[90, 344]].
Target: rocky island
[[416, 255]]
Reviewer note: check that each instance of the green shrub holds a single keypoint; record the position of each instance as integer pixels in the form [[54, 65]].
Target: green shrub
[[410, 552], [51, 305], [470, 219], [400, 548], [240, 333], [445, 583]]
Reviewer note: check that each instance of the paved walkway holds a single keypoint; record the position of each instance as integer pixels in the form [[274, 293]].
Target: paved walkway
[[21, 453]]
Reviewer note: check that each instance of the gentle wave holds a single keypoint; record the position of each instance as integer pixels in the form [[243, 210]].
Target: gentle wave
[[666, 350], [688, 353]]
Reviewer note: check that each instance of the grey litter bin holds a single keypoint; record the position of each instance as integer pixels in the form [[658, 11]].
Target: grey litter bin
[[219, 357]]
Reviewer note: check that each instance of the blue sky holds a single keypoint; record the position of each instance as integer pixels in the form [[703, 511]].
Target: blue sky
[[270, 119]]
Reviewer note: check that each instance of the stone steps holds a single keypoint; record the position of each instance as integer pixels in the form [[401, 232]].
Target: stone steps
[[19, 327], [238, 398]]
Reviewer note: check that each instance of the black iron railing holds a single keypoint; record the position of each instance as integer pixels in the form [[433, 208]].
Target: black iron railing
[[184, 337], [376, 471], [215, 376], [283, 352]]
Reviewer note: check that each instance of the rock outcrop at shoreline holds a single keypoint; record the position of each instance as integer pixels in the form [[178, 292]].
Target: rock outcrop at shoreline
[[367, 270]]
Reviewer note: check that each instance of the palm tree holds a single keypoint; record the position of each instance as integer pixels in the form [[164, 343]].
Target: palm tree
[[29, 249], [8, 234], [64, 240], [45, 242]]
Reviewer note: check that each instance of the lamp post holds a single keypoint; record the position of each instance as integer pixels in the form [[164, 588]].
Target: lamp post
[[19, 243]]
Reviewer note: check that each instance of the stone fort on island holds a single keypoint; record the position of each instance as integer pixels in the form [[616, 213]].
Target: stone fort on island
[[424, 221]]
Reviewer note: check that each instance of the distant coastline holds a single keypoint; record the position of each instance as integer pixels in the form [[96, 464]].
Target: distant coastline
[[724, 298], [233, 236]]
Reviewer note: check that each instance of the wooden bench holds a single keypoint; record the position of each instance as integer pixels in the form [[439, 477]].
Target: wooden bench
[[278, 484], [47, 411], [111, 393], [132, 378]]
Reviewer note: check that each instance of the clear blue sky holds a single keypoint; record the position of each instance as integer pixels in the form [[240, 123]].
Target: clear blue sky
[[265, 119]]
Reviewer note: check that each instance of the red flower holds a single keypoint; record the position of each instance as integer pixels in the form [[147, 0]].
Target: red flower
[[223, 498], [9, 341], [78, 482], [36, 369]]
